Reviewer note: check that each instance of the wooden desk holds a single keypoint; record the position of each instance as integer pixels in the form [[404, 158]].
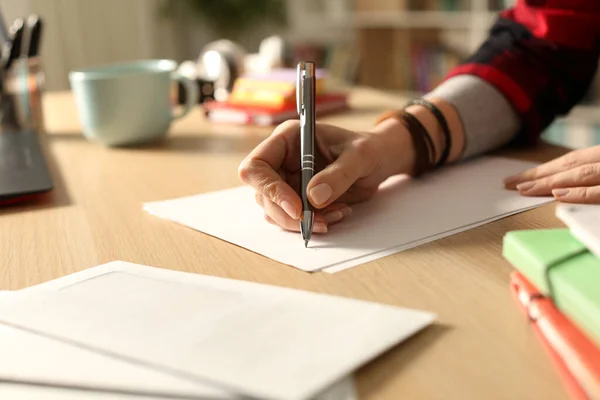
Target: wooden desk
[[481, 347]]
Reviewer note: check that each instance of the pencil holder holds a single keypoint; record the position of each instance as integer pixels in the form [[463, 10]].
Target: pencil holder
[[23, 87]]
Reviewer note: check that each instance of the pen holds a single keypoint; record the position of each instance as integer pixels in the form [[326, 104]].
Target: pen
[[17, 33], [34, 23], [305, 102]]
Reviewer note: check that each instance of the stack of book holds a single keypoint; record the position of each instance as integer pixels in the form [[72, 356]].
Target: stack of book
[[270, 99], [557, 285]]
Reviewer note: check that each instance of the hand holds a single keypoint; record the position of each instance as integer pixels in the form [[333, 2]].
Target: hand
[[349, 168], [572, 178]]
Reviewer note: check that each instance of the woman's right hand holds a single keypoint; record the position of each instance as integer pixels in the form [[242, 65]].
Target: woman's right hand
[[350, 166]]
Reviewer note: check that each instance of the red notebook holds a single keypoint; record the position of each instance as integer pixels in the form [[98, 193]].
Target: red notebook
[[575, 356], [223, 112]]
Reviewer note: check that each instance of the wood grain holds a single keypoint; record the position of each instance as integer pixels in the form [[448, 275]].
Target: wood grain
[[480, 348]]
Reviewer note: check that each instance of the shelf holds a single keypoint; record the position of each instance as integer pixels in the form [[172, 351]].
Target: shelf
[[421, 19], [409, 19]]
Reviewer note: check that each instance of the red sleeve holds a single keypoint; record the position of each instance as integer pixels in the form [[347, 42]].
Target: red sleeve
[[542, 55]]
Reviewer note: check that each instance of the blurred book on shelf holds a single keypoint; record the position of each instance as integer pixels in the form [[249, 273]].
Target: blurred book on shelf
[[413, 60], [410, 45]]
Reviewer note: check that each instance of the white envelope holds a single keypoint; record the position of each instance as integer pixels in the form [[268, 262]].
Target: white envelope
[[204, 336]]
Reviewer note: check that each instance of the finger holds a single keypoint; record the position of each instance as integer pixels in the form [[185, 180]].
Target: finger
[[333, 181], [585, 175], [321, 219], [582, 195], [274, 149], [266, 181], [270, 220], [328, 216], [318, 216], [334, 213], [259, 170], [568, 161], [282, 219], [258, 198]]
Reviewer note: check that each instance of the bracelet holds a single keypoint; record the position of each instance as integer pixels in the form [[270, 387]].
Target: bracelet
[[422, 142], [442, 121], [414, 124]]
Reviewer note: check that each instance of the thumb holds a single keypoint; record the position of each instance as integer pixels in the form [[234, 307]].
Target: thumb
[[333, 181]]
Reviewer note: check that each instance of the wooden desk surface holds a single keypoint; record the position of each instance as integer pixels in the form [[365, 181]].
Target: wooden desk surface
[[480, 348]]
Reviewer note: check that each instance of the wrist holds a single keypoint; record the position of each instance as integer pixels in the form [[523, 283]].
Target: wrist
[[397, 148], [433, 127]]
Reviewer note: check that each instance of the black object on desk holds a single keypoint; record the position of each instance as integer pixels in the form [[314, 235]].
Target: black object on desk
[[23, 168], [34, 26], [17, 31]]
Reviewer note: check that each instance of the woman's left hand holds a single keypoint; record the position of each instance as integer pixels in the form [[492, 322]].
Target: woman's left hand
[[572, 178]]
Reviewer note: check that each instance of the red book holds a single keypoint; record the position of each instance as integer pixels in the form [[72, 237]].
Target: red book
[[224, 112], [575, 356]]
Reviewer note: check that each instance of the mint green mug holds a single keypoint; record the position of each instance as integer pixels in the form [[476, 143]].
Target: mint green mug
[[129, 103]]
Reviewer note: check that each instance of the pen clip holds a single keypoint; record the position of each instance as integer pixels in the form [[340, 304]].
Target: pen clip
[[300, 88]]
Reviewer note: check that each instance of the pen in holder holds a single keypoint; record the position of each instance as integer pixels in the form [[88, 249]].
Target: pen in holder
[[22, 89]]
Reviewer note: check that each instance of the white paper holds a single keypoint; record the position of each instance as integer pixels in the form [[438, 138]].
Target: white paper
[[404, 212], [372, 257], [258, 340], [583, 221]]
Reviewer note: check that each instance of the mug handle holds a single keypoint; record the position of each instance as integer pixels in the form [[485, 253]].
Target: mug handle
[[191, 91]]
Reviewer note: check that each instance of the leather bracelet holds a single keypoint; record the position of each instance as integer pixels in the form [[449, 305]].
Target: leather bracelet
[[442, 121], [418, 126], [420, 138], [422, 142]]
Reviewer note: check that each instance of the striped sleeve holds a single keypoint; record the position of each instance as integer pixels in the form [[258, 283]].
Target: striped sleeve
[[541, 56]]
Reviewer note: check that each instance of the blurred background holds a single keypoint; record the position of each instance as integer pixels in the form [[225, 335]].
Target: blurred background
[[395, 45]]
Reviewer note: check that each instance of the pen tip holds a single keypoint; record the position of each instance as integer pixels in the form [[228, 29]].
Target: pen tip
[[306, 243]]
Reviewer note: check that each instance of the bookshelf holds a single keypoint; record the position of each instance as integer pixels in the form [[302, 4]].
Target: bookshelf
[[373, 42], [398, 45]]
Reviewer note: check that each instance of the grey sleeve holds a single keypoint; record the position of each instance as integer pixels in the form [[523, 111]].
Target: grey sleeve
[[489, 120]]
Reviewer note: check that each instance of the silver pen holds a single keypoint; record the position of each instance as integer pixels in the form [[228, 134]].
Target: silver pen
[[305, 101]]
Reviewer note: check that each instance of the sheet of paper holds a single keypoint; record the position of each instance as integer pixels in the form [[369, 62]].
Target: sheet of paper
[[371, 257], [403, 212], [224, 333]]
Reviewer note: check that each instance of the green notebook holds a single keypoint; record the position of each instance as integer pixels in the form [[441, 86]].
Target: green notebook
[[574, 276]]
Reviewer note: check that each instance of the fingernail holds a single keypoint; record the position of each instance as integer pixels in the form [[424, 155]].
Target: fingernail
[[319, 227], [289, 209], [560, 192], [321, 193], [511, 179], [346, 211], [334, 216], [525, 185]]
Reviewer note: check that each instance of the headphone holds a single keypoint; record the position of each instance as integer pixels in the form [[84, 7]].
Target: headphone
[[223, 61]]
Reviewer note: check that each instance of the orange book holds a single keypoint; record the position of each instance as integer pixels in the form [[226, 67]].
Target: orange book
[[236, 114], [576, 357], [276, 88]]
